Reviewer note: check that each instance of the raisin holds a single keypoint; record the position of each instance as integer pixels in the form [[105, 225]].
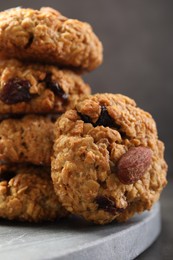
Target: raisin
[[30, 41], [104, 118], [85, 118], [107, 204], [15, 90], [55, 87], [7, 175]]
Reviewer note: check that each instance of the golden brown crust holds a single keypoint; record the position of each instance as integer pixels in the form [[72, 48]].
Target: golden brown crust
[[90, 140], [42, 98], [28, 195], [46, 36], [28, 139]]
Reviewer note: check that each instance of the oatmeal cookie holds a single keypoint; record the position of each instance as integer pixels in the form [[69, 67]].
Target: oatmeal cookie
[[108, 162], [46, 36], [27, 139], [27, 194], [35, 88]]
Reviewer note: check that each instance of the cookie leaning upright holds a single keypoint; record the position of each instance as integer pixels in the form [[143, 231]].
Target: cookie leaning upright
[[108, 162], [46, 36]]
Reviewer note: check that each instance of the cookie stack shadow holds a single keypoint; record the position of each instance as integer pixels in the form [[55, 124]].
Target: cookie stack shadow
[[42, 55]]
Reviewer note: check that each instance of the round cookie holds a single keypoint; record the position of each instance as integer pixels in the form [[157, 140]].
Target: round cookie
[[46, 36], [35, 88], [27, 139], [27, 194], [108, 162]]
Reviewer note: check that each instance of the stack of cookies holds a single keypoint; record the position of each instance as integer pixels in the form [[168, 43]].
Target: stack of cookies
[[42, 56], [61, 149]]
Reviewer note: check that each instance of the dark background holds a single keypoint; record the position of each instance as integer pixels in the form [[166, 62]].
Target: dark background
[[138, 62]]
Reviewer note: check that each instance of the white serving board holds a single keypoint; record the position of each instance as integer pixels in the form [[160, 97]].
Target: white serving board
[[74, 239]]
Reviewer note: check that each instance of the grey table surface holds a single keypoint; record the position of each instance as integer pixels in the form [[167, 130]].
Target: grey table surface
[[74, 238], [23, 241], [162, 249]]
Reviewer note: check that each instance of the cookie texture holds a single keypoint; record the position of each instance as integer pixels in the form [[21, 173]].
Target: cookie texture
[[46, 36], [28, 139], [27, 194], [108, 162], [34, 88]]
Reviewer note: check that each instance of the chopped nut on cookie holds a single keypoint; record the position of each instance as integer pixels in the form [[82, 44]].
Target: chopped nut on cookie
[[134, 164]]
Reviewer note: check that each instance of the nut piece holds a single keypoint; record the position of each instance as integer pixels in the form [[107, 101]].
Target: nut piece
[[133, 164]]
